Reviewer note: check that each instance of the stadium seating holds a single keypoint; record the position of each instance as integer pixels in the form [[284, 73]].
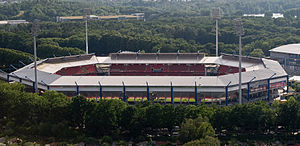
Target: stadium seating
[[87, 70], [223, 70], [197, 68]]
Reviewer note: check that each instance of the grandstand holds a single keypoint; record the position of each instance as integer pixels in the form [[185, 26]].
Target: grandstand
[[159, 77]]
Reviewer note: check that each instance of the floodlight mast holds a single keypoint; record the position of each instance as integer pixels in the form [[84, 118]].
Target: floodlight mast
[[239, 31], [217, 16], [35, 31], [86, 17]]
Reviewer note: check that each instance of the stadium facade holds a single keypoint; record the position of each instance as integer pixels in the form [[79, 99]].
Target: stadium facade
[[166, 76], [289, 58]]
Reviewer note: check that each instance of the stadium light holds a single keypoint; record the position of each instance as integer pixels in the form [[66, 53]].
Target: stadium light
[[35, 31], [86, 17], [239, 31], [217, 16]]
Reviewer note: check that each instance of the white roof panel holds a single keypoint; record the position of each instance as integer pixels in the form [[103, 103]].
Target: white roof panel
[[54, 67], [290, 49], [137, 81]]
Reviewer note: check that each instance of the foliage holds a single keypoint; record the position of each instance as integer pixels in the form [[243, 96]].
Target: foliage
[[55, 117], [206, 141], [12, 57], [193, 129]]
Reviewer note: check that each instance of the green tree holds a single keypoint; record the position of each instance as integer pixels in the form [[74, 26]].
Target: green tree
[[288, 115], [195, 129], [257, 53], [206, 141], [80, 107]]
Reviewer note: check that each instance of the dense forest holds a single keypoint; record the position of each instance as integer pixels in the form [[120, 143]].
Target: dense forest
[[166, 34], [47, 10], [170, 26], [55, 117]]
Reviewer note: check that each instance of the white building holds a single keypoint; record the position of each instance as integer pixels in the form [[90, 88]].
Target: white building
[[288, 56], [13, 22]]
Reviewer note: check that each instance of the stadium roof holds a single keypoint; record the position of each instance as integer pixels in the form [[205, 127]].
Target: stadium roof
[[289, 49], [55, 64], [261, 69]]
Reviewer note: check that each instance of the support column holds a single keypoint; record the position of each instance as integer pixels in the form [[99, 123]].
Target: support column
[[172, 96], [77, 89], [148, 94], [287, 84], [124, 92], [226, 95], [196, 95], [248, 93], [7, 78], [100, 92], [217, 38], [33, 87], [268, 90]]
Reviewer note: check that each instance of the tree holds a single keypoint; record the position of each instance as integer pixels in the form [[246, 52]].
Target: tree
[[168, 116], [103, 118], [79, 107], [288, 115], [195, 129], [10, 56], [206, 141], [154, 116], [257, 53]]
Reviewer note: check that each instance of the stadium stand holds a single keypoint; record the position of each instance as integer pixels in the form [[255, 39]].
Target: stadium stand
[[88, 70]]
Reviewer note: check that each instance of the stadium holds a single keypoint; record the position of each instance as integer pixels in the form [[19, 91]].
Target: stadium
[[188, 78]]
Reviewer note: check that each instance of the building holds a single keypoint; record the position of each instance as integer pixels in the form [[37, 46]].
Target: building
[[169, 76], [254, 15], [75, 18], [289, 57], [13, 22], [135, 16]]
